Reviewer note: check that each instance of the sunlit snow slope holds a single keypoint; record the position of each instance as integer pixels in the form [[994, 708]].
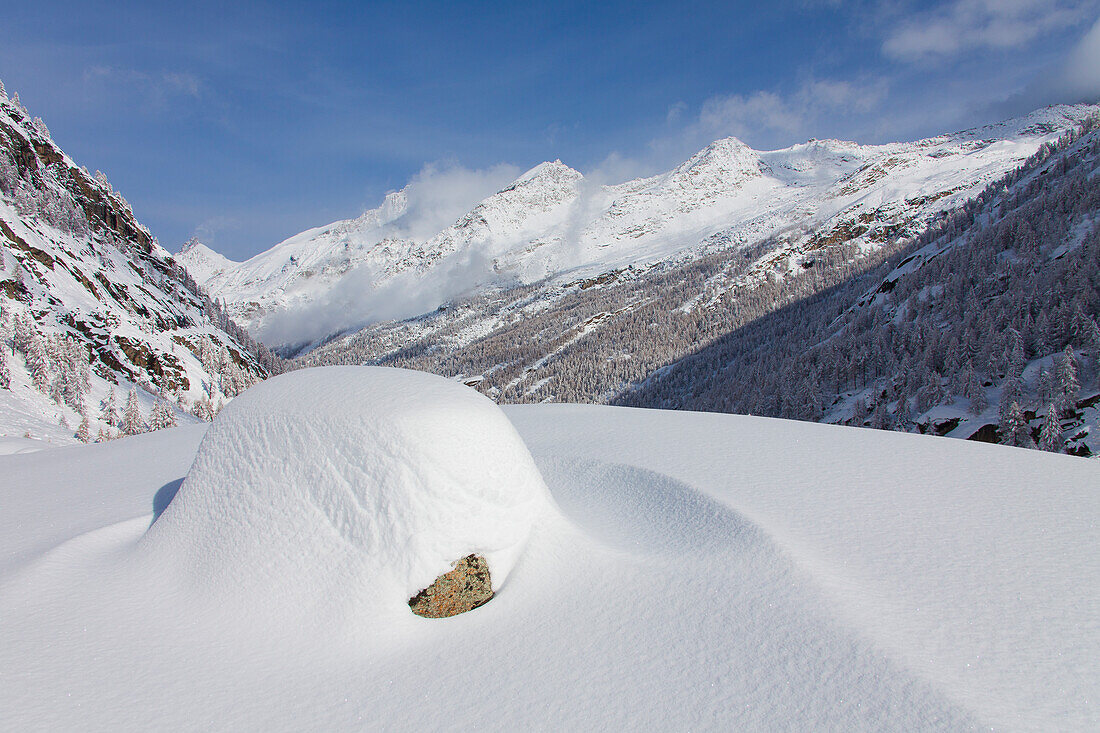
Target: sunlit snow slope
[[553, 222], [697, 571]]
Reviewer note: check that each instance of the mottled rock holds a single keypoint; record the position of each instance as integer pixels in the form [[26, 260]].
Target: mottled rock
[[461, 589]]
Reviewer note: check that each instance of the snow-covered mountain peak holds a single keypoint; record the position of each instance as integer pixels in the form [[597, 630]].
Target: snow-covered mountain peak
[[203, 262], [549, 171], [720, 164], [394, 206]]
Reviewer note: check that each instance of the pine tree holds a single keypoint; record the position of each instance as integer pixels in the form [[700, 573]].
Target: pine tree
[[1045, 387], [880, 416], [859, 411], [162, 416], [974, 391], [109, 411], [5, 375], [903, 416], [1014, 353], [37, 362], [83, 431], [1050, 436], [132, 424], [1014, 429], [1066, 382], [1092, 342], [1012, 392]]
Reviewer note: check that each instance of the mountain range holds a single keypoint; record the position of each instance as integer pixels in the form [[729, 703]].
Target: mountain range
[[552, 226]]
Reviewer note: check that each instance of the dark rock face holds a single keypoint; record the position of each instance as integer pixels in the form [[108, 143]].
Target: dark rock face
[[461, 589]]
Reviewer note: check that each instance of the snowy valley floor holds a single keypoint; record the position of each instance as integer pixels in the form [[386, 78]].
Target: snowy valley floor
[[699, 571]]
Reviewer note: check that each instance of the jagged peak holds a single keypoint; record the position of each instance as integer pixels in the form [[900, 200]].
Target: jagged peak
[[548, 170], [726, 159]]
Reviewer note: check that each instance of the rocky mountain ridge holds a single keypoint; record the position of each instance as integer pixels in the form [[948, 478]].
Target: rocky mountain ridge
[[77, 270]]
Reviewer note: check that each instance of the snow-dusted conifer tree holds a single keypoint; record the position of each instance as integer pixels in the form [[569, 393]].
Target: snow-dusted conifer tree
[[903, 416], [5, 375], [880, 416], [859, 411], [84, 431], [132, 424], [203, 409], [1050, 436], [1014, 429], [109, 411], [1012, 392], [162, 416], [37, 362], [1066, 381]]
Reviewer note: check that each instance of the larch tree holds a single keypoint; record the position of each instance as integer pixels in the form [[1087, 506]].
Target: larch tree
[[1050, 436], [132, 424], [38, 362], [162, 416], [109, 411], [1066, 381], [84, 431], [1015, 429]]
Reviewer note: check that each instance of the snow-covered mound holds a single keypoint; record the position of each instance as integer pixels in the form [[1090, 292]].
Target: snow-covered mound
[[350, 488]]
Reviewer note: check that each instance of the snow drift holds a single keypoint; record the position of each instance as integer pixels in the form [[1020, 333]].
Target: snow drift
[[694, 572], [348, 489]]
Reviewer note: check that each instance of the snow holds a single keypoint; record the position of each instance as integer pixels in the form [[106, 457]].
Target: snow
[[692, 571], [381, 477]]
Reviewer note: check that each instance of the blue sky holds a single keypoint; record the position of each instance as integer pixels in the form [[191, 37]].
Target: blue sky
[[247, 124]]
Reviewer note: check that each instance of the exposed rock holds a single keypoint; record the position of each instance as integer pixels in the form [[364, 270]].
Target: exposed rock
[[456, 591]]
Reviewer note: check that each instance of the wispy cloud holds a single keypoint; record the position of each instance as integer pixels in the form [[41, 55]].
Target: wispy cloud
[[1076, 78], [965, 26], [772, 119], [155, 88], [443, 191], [208, 230]]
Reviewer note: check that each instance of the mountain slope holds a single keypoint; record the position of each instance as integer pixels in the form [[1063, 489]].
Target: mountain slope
[[735, 330], [91, 302], [552, 223], [996, 306]]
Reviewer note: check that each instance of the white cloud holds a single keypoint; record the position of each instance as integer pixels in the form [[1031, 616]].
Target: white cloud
[[442, 192], [156, 88], [436, 197], [762, 119], [208, 229], [1081, 70], [1076, 78], [768, 119], [355, 302], [964, 26]]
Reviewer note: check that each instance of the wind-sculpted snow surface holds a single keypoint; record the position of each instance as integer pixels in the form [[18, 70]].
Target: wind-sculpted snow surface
[[693, 572], [349, 489]]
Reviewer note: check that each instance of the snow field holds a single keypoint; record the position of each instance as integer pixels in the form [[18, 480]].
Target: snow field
[[694, 571]]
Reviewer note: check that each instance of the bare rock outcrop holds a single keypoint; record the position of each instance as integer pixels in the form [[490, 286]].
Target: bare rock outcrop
[[461, 589]]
